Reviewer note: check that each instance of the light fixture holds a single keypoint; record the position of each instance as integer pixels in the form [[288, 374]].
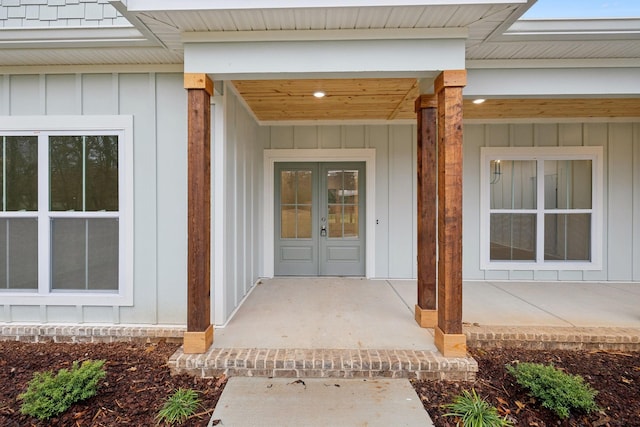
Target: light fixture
[[319, 94], [478, 101]]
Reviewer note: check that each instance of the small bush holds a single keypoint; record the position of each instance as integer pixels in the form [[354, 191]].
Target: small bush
[[557, 391], [473, 411], [179, 406], [49, 395]]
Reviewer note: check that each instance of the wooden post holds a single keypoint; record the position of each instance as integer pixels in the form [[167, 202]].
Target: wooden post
[[199, 335], [448, 334], [426, 313]]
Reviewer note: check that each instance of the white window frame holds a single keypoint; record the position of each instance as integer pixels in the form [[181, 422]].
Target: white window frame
[[595, 154], [43, 126]]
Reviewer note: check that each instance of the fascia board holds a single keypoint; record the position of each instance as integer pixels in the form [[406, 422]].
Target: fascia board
[[70, 37], [186, 5], [318, 35], [553, 82], [571, 29]]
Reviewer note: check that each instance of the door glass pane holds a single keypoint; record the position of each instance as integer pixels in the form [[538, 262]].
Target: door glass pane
[[334, 221], [288, 187], [567, 237], [19, 253], [65, 158], [288, 222], [304, 222], [20, 160], [350, 192], [101, 173], [342, 200], [513, 184], [84, 254], [296, 195], [567, 184], [334, 187], [513, 237], [350, 219], [304, 188]]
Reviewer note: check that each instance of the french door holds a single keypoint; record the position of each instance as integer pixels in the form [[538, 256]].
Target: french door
[[319, 219]]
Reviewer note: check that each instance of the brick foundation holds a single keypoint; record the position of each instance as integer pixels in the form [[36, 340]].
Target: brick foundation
[[90, 334]]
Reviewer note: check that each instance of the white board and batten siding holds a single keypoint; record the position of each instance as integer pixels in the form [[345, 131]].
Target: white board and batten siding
[[620, 142], [237, 144], [157, 103]]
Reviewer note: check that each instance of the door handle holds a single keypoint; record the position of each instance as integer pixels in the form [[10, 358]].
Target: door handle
[[323, 231]]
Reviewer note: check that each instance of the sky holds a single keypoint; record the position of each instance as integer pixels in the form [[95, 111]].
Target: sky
[[584, 9]]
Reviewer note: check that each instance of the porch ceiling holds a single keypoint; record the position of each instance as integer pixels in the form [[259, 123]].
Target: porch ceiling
[[393, 99]]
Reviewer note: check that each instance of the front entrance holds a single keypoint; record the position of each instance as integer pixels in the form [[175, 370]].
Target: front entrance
[[319, 219]]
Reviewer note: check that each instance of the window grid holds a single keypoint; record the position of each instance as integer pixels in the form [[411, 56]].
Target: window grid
[[491, 155]]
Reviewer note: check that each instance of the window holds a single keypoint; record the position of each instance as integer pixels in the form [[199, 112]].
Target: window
[[541, 208], [66, 199]]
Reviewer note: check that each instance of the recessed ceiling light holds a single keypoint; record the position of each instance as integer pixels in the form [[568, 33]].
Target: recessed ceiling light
[[319, 94], [478, 101]]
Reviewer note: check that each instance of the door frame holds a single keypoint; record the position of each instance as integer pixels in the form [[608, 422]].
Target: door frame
[[271, 157]]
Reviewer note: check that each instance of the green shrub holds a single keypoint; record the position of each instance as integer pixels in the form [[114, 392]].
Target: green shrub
[[473, 411], [179, 406], [49, 395], [557, 391]]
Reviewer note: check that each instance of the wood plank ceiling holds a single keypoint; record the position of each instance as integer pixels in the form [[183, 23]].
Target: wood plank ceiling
[[393, 99]]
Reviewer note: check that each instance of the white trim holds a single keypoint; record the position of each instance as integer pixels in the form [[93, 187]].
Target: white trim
[[218, 217], [202, 5], [315, 35], [552, 63], [92, 69], [81, 37], [553, 120], [543, 153], [367, 155], [123, 126]]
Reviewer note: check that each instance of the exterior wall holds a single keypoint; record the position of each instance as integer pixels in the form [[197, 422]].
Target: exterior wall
[[157, 103], [396, 149], [621, 198], [241, 211], [59, 13]]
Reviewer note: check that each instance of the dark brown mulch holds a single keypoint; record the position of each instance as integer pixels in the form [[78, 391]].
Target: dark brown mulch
[[138, 382], [615, 375]]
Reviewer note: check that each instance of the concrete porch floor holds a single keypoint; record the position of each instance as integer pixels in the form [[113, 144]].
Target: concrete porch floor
[[355, 327]]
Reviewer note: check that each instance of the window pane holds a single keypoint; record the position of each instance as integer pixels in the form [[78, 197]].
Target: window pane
[[103, 254], [21, 163], [335, 220], [567, 237], [513, 184], [350, 192], [101, 190], [350, 220], [65, 158], [19, 253], [287, 187], [304, 222], [304, 187], [288, 222], [567, 184], [513, 237], [334, 186], [84, 254]]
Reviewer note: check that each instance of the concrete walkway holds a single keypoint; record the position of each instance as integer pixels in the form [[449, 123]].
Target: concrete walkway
[[281, 402]]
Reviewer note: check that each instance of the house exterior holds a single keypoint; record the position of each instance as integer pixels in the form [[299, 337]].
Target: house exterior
[[160, 157]]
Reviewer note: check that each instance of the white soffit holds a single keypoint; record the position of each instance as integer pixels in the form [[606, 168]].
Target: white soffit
[[572, 29]]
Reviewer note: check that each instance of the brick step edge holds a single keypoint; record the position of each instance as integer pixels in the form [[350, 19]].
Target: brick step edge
[[324, 363], [553, 338]]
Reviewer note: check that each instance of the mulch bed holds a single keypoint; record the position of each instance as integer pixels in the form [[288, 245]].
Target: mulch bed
[[138, 382]]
